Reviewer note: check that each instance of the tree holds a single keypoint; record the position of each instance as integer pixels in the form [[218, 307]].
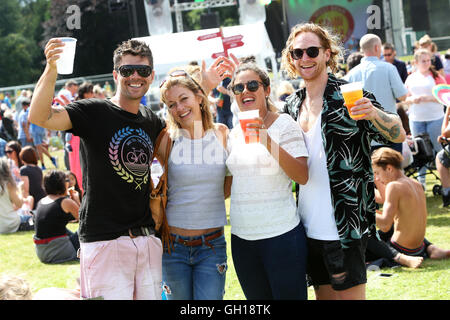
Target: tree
[[15, 60], [10, 17]]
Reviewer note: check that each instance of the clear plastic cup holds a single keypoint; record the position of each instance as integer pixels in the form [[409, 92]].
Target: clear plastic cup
[[352, 92], [246, 117], [64, 64]]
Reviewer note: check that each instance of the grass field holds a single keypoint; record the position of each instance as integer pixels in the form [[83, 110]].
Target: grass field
[[430, 282]]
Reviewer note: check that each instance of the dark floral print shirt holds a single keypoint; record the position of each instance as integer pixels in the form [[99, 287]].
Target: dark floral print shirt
[[347, 146]]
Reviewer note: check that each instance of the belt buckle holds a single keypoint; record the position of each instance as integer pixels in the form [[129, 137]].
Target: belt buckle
[[145, 231], [132, 236]]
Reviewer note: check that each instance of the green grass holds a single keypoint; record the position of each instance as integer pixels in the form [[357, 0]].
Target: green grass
[[430, 282]]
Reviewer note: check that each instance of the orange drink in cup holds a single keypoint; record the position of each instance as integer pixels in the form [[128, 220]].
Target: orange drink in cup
[[352, 92], [246, 117]]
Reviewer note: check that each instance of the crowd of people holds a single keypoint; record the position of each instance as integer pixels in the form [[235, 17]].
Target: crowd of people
[[345, 165]]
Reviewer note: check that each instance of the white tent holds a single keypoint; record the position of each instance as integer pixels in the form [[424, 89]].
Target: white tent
[[178, 49]]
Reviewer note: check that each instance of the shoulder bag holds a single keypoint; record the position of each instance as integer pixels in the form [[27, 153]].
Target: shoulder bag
[[158, 194]]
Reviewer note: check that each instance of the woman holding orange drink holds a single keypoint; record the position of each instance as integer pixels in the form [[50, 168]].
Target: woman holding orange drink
[[266, 153]]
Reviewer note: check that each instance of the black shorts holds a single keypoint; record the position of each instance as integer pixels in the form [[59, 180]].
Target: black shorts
[[326, 259], [421, 251]]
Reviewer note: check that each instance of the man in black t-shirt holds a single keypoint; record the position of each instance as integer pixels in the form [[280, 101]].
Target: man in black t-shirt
[[120, 258]]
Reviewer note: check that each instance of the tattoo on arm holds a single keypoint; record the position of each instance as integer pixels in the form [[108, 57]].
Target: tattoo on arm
[[393, 132], [384, 116], [53, 111]]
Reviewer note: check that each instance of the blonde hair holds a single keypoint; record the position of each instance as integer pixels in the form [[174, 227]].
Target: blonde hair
[[285, 87], [385, 156], [14, 288], [328, 40], [192, 83], [420, 52]]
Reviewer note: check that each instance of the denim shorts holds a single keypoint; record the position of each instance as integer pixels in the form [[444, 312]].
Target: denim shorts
[[38, 138], [195, 272], [444, 156], [328, 263]]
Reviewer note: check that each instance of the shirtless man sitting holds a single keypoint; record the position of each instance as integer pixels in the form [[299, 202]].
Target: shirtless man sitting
[[404, 205]]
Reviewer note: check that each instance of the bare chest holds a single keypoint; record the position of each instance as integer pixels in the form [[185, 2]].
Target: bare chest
[[309, 112]]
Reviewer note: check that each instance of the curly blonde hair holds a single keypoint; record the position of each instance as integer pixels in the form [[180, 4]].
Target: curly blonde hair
[[191, 82], [328, 40]]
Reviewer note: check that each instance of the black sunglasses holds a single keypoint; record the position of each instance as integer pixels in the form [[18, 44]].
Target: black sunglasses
[[129, 69], [9, 151], [312, 52], [252, 85], [181, 73]]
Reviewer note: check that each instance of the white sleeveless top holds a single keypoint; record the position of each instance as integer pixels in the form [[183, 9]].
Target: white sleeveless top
[[196, 174], [262, 204], [9, 219], [314, 204]]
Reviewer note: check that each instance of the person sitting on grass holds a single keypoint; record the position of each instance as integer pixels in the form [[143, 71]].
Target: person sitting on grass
[[54, 242], [404, 206], [13, 214]]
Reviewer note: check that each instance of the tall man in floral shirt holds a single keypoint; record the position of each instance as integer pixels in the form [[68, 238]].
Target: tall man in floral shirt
[[337, 205]]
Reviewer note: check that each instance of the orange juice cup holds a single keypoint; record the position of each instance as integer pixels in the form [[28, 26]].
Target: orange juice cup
[[246, 117], [352, 92]]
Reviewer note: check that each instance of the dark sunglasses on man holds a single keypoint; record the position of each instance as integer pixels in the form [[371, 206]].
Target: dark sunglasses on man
[[252, 85], [8, 151], [312, 52], [129, 69]]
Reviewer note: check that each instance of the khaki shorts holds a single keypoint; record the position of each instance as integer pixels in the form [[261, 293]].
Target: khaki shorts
[[121, 269]]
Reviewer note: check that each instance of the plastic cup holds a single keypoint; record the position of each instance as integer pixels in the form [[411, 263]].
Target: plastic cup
[[64, 64], [352, 92], [246, 117]]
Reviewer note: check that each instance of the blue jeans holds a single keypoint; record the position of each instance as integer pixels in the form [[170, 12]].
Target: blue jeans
[[195, 273], [433, 128], [273, 268]]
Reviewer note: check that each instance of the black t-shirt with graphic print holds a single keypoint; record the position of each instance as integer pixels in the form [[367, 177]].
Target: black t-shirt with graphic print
[[116, 149]]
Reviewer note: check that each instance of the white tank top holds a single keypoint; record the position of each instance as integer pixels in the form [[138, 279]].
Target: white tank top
[[314, 205]]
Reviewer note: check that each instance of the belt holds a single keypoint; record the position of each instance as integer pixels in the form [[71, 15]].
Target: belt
[[47, 240], [197, 242], [138, 231]]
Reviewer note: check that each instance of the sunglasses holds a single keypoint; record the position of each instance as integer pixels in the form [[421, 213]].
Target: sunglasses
[[312, 52], [129, 69], [387, 54], [252, 85], [9, 151], [181, 73]]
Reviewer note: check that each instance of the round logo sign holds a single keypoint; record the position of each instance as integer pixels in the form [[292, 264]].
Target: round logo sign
[[336, 17]]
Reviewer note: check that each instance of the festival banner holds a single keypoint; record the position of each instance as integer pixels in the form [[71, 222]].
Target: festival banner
[[348, 18]]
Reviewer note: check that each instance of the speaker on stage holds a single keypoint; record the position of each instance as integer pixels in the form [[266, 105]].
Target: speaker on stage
[[251, 11], [159, 17]]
